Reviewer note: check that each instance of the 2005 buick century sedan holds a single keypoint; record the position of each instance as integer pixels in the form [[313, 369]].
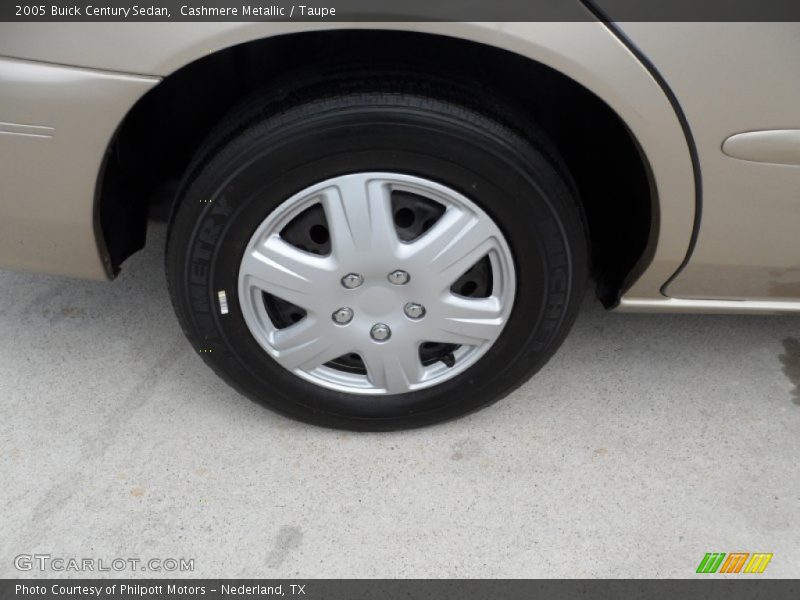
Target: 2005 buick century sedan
[[385, 225]]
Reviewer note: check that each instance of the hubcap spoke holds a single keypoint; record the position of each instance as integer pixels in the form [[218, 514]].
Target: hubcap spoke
[[457, 241], [467, 321], [280, 269], [394, 371], [305, 345], [359, 214]]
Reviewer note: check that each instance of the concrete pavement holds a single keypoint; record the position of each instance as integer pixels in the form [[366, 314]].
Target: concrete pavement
[[646, 442]]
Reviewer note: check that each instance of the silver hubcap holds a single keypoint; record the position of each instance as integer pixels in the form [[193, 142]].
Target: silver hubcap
[[375, 297]]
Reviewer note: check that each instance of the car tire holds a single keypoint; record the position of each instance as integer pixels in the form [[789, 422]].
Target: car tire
[[406, 146]]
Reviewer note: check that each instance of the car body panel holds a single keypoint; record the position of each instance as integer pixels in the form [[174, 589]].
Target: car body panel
[[56, 125], [734, 78]]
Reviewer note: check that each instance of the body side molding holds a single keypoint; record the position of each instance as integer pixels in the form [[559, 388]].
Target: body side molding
[[776, 146]]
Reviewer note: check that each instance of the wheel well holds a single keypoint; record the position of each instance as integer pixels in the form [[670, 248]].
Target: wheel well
[[160, 135]]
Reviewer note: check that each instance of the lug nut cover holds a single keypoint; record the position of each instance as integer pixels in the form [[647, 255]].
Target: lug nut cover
[[343, 315], [380, 332], [398, 277], [414, 310], [352, 280]]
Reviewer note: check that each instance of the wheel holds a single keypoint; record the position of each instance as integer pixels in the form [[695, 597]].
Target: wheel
[[376, 260]]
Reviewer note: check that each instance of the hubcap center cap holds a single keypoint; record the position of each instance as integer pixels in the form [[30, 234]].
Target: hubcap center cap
[[378, 302]]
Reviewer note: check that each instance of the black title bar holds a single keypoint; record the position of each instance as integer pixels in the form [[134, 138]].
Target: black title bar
[[399, 10]]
